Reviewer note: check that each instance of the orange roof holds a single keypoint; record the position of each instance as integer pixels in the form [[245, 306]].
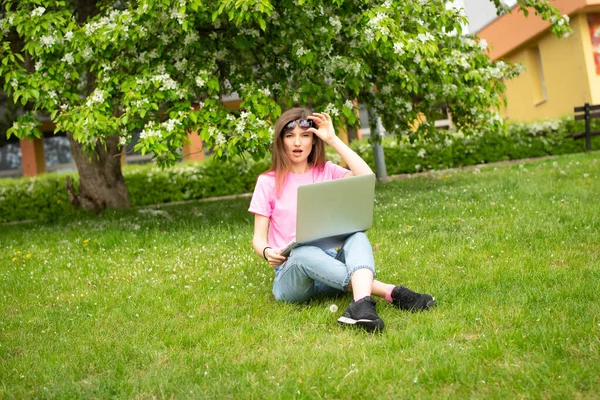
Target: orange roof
[[509, 31]]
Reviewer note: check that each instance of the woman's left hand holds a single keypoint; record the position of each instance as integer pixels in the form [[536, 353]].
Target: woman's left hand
[[274, 257], [324, 128]]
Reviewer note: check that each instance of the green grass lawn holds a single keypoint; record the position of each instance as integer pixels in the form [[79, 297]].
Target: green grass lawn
[[173, 303]]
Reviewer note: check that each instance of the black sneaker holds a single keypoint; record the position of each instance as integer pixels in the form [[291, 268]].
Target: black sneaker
[[406, 299], [362, 313]]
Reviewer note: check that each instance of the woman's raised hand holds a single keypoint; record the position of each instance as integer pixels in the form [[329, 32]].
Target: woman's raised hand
[[324, 128]]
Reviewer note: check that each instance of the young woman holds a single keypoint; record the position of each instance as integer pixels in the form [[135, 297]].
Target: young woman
[[299, 158]]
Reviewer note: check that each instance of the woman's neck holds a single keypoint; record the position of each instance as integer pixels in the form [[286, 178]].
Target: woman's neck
[[300, 169]]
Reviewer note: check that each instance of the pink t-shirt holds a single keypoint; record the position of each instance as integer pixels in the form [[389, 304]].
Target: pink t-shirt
[[282, 210]]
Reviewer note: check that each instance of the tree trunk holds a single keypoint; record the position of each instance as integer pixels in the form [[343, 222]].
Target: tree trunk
[[352, 134], [101, 182]]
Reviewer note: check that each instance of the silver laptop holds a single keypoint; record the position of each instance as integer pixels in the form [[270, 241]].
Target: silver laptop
[[328, 212]]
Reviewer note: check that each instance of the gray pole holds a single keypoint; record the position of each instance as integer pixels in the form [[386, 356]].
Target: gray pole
[[376, 138]]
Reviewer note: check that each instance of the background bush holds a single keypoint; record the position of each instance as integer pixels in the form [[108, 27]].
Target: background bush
[[448, 149], [45, 197], [149, 184]]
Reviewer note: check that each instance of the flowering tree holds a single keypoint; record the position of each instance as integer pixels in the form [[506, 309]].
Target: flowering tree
[[102, 70]]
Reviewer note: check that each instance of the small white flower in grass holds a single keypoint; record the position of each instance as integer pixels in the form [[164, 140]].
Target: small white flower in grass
[[333, 308], [586, 175], [422, 153]]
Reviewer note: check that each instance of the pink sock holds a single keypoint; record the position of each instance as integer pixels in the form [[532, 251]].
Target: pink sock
[[388, 292]]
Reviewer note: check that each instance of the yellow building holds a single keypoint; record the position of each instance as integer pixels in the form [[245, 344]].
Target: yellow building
[[559, 73]]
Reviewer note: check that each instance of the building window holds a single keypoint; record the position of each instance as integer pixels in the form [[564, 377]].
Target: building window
[[537, 76]]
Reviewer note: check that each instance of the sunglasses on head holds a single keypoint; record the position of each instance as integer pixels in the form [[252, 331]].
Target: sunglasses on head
[[304, 124]]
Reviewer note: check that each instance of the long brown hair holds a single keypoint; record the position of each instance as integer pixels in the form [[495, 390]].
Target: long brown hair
[[281, 164]]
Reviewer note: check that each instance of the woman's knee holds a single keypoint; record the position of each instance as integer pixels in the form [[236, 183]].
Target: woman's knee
[[358, 240], [292, 285], [304, 254], [359, 236], [287, 296]]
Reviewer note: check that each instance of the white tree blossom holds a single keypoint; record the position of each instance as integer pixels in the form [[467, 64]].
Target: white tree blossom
[[165, 68]]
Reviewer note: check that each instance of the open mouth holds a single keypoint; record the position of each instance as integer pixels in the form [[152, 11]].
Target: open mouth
[[297, 152]]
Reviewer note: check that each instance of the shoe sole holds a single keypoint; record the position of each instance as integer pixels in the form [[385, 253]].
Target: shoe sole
[[428, 305], [431, 302], [368, 324]]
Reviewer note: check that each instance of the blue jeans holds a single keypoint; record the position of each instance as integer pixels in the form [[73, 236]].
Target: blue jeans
[[310, 271]]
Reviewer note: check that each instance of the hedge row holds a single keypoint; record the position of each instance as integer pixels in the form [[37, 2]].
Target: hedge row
[[448, 149], [45, 196]]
